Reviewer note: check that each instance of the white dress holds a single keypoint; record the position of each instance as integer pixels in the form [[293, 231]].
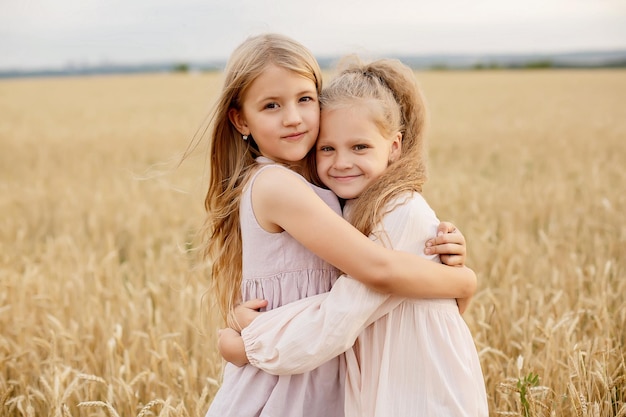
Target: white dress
[[412, 357]]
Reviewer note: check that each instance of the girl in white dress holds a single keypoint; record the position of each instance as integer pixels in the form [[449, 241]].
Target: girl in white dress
[[405, 357]]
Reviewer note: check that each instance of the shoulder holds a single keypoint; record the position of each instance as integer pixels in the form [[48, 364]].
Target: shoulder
[[284, 200], [409, 206], [276, 187], [408, 222], [273, 178]]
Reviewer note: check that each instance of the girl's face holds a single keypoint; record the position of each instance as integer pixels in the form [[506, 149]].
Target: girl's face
[[351, 152], [281, 111]]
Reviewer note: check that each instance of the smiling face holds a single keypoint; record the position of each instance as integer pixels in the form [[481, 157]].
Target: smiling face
[[351, 151], [281, 112]]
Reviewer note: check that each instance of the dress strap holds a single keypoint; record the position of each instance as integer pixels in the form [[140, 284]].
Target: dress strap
[[266, 163]]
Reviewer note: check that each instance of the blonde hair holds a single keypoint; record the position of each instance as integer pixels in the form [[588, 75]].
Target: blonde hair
[[389, 89], [232, 158]]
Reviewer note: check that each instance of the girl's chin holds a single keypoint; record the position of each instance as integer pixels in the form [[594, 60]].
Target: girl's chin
[[345, 195]]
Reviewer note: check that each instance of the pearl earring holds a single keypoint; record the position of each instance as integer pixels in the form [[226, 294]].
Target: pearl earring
[[245, 137]]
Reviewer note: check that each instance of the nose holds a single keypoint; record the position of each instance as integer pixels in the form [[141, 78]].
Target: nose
[[291, 115], [342, 160]]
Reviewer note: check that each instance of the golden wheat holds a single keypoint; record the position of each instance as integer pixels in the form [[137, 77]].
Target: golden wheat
[[101, 301]]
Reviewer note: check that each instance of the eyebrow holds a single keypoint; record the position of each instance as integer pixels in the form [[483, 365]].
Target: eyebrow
[[300, 93]]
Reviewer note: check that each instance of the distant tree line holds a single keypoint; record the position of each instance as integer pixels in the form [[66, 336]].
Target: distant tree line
[[181, 67], [537, 64]]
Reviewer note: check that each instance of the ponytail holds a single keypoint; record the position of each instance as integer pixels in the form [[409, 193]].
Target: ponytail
[[398, 106]]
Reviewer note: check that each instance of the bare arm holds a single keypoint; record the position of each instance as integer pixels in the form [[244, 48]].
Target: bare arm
[[309, 220], [449, 243], [304, 334]]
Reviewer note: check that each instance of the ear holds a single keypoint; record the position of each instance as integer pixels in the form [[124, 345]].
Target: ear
[[396, 148], [238, 120]]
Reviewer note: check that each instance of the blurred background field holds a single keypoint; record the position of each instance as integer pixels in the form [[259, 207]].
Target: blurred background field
[[101, 292]]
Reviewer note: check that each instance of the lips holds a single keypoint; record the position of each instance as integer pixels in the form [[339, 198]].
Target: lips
[[345, 178], [294, 136]]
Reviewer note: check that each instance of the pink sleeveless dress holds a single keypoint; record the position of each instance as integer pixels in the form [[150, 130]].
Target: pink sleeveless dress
[[279, 269]]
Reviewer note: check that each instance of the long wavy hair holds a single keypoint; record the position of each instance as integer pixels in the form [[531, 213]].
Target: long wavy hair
[[390, 90], [232, 158]]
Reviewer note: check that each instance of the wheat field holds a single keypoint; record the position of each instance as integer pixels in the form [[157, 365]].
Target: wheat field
[[102, 295]]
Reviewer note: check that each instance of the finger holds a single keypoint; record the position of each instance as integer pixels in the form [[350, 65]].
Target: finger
[[445, 249], [452, 238], [445, 227], [456, 238], [225, 332], [452, 260]]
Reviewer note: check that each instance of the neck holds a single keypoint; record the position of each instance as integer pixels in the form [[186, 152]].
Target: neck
[[297, 166]]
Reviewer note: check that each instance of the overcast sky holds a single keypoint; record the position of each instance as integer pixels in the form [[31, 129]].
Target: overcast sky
[[54, 33]]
